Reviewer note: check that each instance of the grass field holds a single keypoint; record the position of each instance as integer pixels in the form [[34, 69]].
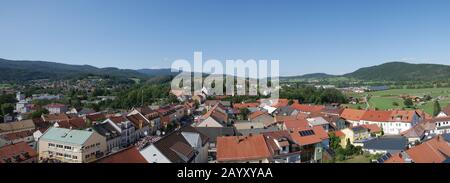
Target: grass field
[[4, 85], [384, 99]]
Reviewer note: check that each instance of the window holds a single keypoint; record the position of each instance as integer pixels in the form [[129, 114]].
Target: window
[[97, 144], [51, 145], [87, 156], [59, 154], [59, 146], [67, 147], [67, 156], [74, 157]]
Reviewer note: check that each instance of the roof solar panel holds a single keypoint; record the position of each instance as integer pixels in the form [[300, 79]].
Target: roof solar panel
[[306, 133]]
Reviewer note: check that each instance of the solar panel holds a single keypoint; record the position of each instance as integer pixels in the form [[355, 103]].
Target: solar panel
[[306, 133]]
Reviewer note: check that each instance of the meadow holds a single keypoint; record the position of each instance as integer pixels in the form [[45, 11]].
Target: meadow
[[385, 99]]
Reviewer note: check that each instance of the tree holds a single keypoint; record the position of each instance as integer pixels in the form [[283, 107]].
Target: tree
[[7, 108], [408, 102], [38, 113], [335, 141], [244, 113], [395, 104], [436, 108]]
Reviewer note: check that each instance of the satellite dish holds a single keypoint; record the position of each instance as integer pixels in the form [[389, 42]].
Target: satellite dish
[[145, 133], [158, 132]]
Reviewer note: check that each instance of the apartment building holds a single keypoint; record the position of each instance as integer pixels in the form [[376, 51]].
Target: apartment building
[[71, 146]]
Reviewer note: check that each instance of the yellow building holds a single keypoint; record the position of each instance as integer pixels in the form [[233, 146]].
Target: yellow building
[[71, 146]]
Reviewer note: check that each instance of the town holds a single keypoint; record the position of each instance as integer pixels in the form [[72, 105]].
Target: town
[[209, 128]]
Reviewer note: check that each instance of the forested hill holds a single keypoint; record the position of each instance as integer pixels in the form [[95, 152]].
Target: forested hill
[[401, 71], [30, 70]]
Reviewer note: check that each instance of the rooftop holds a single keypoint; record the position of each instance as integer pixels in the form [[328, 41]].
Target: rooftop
[[64, 135]]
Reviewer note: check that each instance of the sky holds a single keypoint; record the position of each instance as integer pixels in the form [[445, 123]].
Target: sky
[[306, 36]]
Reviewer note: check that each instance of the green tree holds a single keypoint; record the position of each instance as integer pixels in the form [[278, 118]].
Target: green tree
[[395, 104], [244, 113], [335, 142], [7, 108], [436, 108], [408, 102], [38, 113]]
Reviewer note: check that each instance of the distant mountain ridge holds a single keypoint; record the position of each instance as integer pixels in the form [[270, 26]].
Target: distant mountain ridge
[[402, 71], [392, 71], [31, 70]]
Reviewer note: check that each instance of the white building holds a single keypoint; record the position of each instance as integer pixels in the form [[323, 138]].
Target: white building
[[185, 145]]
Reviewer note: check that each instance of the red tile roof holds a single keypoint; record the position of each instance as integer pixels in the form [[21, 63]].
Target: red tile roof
[[373, 128], [245, 105], [305, 140], [17, 135], [130, 155], [118, 119], [238, 148], [96, 117], [339, 133], [402, 115], [74, 123], [256, 114], [352, 114], [16, 153], [435, 150], [320, 132], [55, 117], [297, 124], [396, 158], [373, 115], [308, 108], [55, 105]]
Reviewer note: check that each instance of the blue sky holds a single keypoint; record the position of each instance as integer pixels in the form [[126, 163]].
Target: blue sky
[[335, 36]]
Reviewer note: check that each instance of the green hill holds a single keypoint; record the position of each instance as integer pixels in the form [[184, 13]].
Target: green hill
[[400, 71], [30, 70]]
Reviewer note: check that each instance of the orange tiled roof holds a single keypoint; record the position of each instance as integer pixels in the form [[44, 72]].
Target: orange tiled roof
[[130, 155], [238, 148], [9, 152], [256, 114], [402, 115], [308, 108], [435, 150], [373, 128], [373, 115], [352, 114], [396, 158], [339, 133], [297, 124], [305, 140], [320, 132], [245, 105]]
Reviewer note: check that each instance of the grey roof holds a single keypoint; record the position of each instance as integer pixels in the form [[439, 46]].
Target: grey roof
[[170, 145], [256, 131], [391, 144], [214, 132], [106, 130], [317, 121], [85, 111], [287, 110]]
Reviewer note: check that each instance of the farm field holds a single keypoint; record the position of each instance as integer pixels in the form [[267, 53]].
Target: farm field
[[4, 85], [384, 100]]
